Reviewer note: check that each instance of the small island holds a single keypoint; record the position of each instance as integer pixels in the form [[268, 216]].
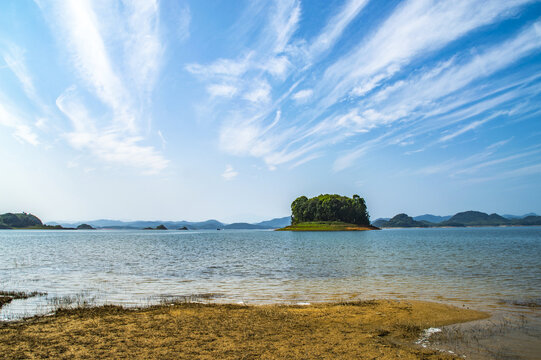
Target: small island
[[159, 227], [329, 213]]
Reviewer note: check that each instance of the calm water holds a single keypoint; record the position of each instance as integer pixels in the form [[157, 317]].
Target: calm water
[[486, 268]]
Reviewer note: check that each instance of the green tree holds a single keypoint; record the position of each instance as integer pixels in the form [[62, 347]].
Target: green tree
[[327, 207]]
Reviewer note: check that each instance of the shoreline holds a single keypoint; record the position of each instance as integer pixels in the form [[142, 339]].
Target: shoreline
[[455, 227], [327, 226], [384, 329]]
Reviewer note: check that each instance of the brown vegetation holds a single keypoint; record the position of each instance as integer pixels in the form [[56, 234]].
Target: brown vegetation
[[357, 330]]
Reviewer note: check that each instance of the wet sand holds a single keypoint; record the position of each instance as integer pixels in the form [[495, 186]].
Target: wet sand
[[382, 329]]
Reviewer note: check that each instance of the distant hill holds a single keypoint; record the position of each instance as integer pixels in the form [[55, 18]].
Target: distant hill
[[191, 225], [527, 221], [20, 220], [461, 219], [275, 223], [508, 216], [475, 218], [431, 218], [240, 226], [400, 220], [133, 225]]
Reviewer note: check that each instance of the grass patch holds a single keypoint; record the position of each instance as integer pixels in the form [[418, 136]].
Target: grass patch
[[360, 330], [326, 226]]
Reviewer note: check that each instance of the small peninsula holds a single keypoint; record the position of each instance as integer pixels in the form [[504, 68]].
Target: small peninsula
[[328, 212], [25, 221]]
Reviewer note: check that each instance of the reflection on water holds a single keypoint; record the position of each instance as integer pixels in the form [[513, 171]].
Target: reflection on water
[[487, 268]]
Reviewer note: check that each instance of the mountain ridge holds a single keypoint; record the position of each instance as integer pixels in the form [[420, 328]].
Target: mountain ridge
[[460, 219], [210, 224]]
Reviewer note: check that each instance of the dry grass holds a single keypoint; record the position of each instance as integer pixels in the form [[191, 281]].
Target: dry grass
[[360, 330]]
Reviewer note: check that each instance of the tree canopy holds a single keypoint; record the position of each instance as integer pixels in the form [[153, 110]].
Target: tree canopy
[[330, 208]]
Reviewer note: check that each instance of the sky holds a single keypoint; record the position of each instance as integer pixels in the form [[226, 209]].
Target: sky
[[192, 110]]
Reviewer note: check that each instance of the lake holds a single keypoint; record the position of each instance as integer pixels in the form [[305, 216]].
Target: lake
[[492, 269]]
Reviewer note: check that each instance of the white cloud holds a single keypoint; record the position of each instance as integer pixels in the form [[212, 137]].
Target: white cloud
[[497, 161], [72, 164], [517, 172], [229, 173], [116, 50], [414, 28], [276, 66], [223, 90], [184, 20], [162, 138], [471, 126], [79, 24], [283, 22], [41, 123], [14, 59], [355, 94], [223, 67], [110, 144], [335, 27], [426, 91], [143, 48], [303, 95], [21, 131], [261, 93]]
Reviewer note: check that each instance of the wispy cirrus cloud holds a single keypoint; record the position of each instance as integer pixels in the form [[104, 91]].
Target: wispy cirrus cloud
[[430, 98], [184, 20], [303, 95], [229, 173], [111, 144], [356, 94], [92, 33], [143, 46], [79, 30], [222, 90], [20, 121], [14, 58], [21, 130], [271, 61], [412, 30]]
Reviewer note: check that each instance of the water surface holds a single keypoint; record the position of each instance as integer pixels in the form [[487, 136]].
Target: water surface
[[486, 268]]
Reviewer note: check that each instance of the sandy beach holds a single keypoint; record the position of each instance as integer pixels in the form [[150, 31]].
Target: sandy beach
[[383, 329]]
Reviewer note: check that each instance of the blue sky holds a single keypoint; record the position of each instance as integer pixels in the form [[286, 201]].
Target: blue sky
[[230, 110]]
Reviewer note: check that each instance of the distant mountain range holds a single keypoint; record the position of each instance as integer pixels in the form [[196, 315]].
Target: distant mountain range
[[461, 219], [432, 218], [172, 225], [467, 218]]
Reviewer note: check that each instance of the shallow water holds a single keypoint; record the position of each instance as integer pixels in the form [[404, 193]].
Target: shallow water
[[483, 268]]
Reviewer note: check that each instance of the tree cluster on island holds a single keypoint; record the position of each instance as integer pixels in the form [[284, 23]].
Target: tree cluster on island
[[328, 212], [330, 208]]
